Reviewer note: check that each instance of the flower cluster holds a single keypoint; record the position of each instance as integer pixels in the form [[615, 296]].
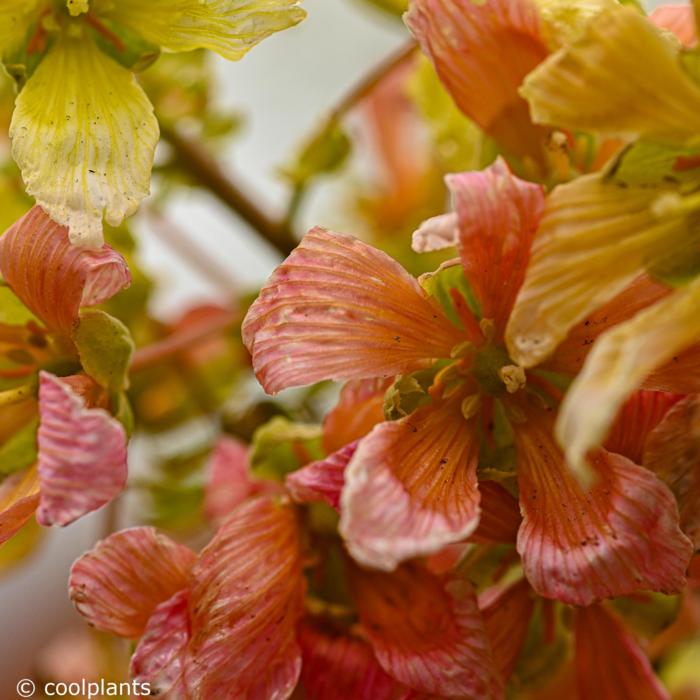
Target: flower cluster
[[503, 498]]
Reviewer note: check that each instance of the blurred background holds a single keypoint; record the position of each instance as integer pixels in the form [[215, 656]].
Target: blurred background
[[277, 95]]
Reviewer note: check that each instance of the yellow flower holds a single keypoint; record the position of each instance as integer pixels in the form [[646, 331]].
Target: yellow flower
[[83, 131]]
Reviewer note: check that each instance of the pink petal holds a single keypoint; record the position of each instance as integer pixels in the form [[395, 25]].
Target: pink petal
[[245, 604], [678, 19], [229, 480], [82, 454], [160, 658], [426, 633], [672, 452], [609, 663], [642, 412], [436, 233], [322, 480], [359, 408], [580, 545], [340, 667], [500, 515], [482, 52], [498, 215], [507, 618], [340, 309], [411, 486], [54, 278], [119, 583], [19, 497]]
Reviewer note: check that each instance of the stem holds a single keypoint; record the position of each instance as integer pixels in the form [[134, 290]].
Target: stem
[[16, 395], [150, 355], [193, 158]]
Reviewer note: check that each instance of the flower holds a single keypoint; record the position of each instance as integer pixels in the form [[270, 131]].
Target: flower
[[339, 309], [77, 461], [602, 231], [83, 131]]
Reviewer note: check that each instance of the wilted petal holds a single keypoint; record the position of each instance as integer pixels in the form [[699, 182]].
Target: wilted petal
[[427, 633], [359, 408], [672, 452], [641, 413], [482, 52], [579, 545], [595, 84], [53, 278], [340, 667], [678, 19], [245, 604], [160, 657], [619, 363], [82, 454], [229, 27], [339, 309], [595, 239], [436, 233], [507, 616], [19, 498], [322, 480], [229, 481], [411, 486], [498, 215], [118, 584], [500, 517], [609, 663], [83, 134]]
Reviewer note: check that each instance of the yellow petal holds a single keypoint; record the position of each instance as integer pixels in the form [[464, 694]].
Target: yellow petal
[[229, 27], [564, 20], [16, 17], [623, 77], [83, 134], [618, 364], [596, 236]]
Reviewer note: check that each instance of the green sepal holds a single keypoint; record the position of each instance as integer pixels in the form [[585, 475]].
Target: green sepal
[[105, 347], [20, 451], [125, 47], [409, 392], [324, 153], [497, 451], [481, 564], [648, 614], [21, 64], [439, 285], [121, 408], [282, 446], [646, 163]]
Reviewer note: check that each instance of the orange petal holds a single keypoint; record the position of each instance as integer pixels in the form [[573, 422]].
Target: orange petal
[[507, 618], [340, 309], [642, 412], [118, 584], [53, 278], [340, 667], [672, 452], [609, 663], [482, 52], [678, 19], [359, 408], [160, 658], [245, 604], [19, 498], [498, 215], [427, 633], [411, 486], [500, 516], [580, 545], [82, 454]]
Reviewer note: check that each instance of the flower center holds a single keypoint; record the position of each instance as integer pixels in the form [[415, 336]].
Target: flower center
[[495, 371]]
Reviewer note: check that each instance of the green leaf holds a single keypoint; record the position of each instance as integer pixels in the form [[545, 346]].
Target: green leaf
[[12, 310], [20, 451], [105, 348], [282, 446], [124, 46], [445, 281], [325, 152]]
